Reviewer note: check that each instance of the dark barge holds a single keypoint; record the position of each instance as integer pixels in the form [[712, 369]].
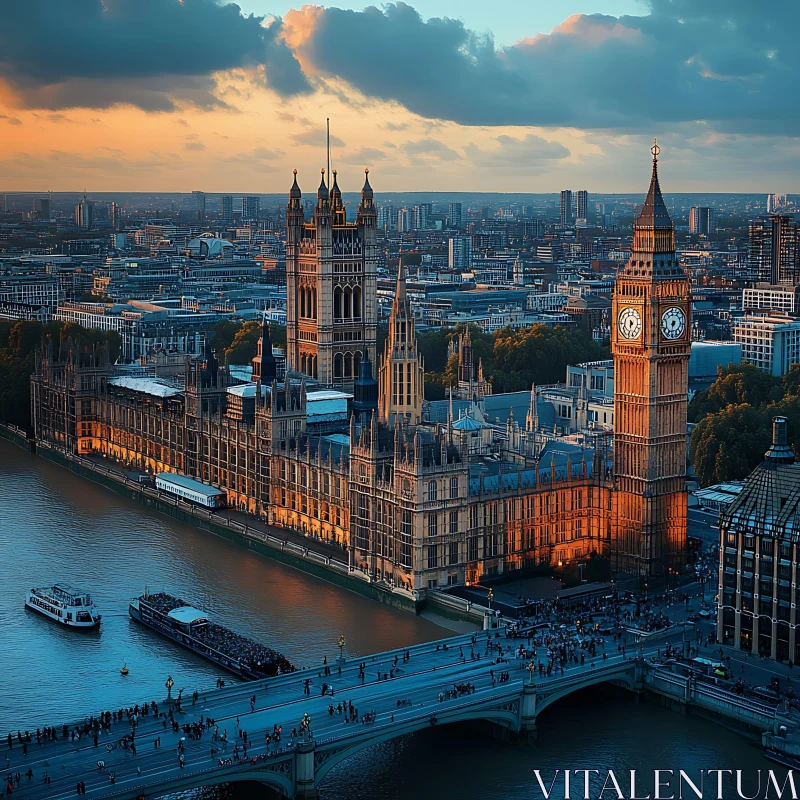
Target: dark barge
[[172, 617]]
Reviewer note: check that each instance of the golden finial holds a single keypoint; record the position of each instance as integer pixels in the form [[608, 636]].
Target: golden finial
[[366, 171], [655, 149], [294, 172]]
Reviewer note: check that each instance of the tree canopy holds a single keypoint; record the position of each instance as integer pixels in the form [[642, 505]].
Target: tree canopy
[[19, 341], [734, 420], [237, 342], [512, 359]]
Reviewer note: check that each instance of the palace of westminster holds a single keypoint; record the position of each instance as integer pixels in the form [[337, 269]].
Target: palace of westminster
[[417, 503]]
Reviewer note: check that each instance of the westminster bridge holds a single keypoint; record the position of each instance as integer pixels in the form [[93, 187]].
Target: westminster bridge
[[482, 676]]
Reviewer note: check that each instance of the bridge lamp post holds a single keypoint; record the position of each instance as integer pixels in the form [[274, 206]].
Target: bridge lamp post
[[531, 670], [490, 597], [341, 644], [169, 684]]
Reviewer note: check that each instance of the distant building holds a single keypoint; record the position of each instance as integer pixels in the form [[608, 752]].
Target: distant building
[[142, 329], [227, 208], [405, 220], [29, 296], [41, 207], [702, 220], [769, 342], [774, 250], [566, 207], [251, 208], [460, 252], [115, 216], [455, 216], [84, 214], [581, 204], [422, 215], [707, 357], [765, 297], [199, 205]]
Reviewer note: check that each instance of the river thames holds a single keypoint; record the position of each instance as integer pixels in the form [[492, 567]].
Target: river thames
[[56, 527]]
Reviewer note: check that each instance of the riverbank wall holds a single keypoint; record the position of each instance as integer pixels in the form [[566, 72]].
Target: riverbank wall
[[257, 538], [18, 437]]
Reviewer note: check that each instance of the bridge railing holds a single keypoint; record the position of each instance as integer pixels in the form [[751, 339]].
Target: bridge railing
[[712, 692]]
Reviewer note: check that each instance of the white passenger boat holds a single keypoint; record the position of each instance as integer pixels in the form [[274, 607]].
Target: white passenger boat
[[64, 604]]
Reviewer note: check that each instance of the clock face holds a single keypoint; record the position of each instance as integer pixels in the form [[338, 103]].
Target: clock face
[[673, 323], [630, 323]]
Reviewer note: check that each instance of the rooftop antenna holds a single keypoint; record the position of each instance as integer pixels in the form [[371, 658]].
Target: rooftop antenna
[[328, 123]]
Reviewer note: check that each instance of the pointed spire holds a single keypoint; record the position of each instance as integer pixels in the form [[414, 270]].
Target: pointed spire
[[340, 216], [400, 294], [654, 212], [366, 192], [294, 192], [450, 415], [322, 192]]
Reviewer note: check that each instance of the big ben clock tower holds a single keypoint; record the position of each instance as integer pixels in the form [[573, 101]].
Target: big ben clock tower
[[651, 345]]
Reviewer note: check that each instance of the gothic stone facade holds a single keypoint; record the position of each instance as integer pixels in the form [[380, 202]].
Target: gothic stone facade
[[416, 504]]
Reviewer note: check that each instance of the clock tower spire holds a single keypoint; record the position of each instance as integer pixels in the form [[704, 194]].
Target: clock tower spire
[[651, 345]]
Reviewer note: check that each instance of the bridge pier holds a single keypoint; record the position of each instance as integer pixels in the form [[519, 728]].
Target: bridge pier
[[305, 787], [527, 713]]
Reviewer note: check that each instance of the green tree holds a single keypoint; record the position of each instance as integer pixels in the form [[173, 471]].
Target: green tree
[[450, 376], [537, 354], [244, 346], [278, 335], [433, 347], [729, 444], [19, 342], [222, 335], [736, 384]]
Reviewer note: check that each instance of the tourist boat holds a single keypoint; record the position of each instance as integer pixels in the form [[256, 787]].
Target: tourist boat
[[66, 605], [190, 627]]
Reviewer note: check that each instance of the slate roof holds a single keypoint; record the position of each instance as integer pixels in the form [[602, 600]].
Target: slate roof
[[769, 502]]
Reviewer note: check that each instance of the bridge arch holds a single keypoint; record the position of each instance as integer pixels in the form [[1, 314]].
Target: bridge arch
[[507, 715], [281, 781], [625, 678]]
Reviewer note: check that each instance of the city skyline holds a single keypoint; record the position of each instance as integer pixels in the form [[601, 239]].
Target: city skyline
[[425, 100]]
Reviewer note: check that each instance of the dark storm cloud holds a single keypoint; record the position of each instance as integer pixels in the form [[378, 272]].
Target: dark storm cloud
[[728, 62], [97, 53]]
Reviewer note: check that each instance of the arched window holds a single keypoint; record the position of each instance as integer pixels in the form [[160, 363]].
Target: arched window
[[337, 302], [313, 372], [348, 303], [357, 302], [314, 303], [348, 365], [338, 366], [432, 491], [357, 364]]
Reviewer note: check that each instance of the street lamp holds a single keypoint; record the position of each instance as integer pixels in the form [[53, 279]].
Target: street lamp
[[531, 669], [169, 684], [490, 597], [341, 647]]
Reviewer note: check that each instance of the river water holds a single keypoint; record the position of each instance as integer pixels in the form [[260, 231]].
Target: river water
[[56, 527]]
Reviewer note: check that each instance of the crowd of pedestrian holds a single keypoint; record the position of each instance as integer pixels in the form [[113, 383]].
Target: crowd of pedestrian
[[247, 652]]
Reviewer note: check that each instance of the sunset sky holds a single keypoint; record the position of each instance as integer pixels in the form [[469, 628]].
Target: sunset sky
[[514, 95]]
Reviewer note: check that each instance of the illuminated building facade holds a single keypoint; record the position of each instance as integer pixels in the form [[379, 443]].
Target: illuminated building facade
[[417, 504]]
